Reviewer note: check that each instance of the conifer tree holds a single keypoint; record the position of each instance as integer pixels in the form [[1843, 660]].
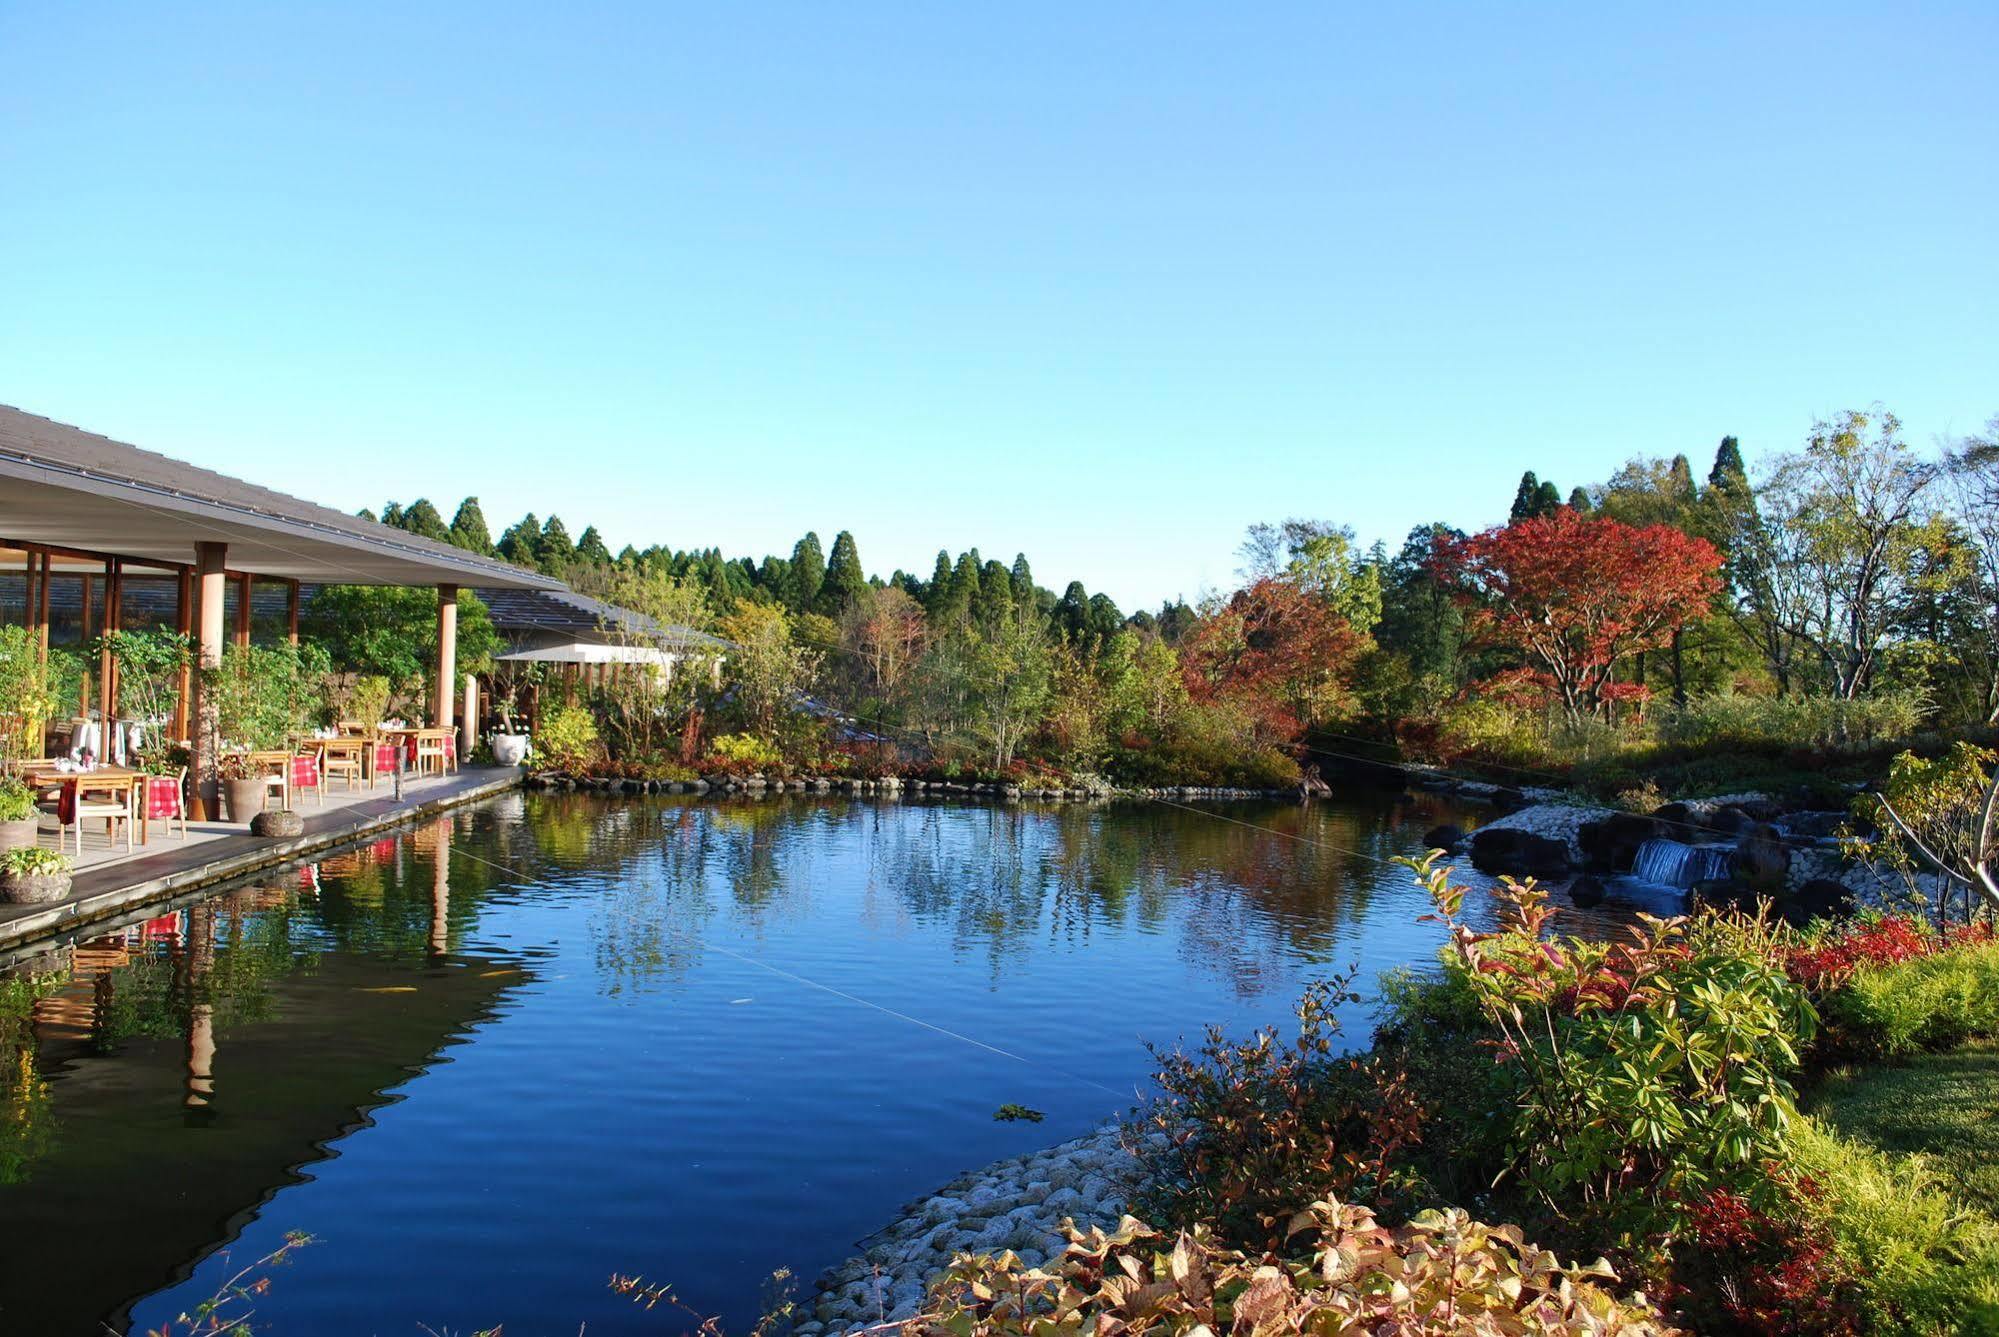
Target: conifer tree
[[557, 549], [1579, 501], [1547, 499], [468, 528], [1525, 497], [964, 586], [808, 573], [937, 594], [521, 544], [1728, 470], [774, 576], [421, 518], [392, 514], [1072, 610], [591, 548], [845, 581], [995, 598], [1680, 480]]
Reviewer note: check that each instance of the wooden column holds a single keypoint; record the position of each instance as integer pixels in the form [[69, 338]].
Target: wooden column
[[42, 614], [442, 700], [209, 559], [468, 724], [184, 625], [243, 590], [83, 690], [107, 663], [291, 611]]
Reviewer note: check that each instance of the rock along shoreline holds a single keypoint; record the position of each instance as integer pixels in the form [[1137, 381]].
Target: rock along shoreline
[[1018, 1203]]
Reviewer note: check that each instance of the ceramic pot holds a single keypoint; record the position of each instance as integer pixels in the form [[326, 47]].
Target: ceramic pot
[[244, 797], [510, 749], [18, 835]]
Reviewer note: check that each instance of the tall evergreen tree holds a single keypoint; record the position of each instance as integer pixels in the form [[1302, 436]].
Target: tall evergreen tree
[[964, 586], [392, 514], [521, 544], [1547, 499], [1525, 497], [557, 549], [591, 548], [995, 598], [845, 581], [1728, 470], [937, 594], [1072, 610], [774, 577], [808, 573], [421, 518], [1680, 480], [468, 528], [1579, 501]]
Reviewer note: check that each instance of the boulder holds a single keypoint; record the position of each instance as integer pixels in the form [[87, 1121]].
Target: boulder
[[1820, 898], [1586, 892], [279, 824], [1722, 894], [1762, 859], [1681, 817], [1511, 852], [1729, 821], [1610, 844], [1446, 837], [1815, 825]]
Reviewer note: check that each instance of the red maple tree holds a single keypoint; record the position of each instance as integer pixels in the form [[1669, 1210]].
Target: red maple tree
[[1573, 596], [1276, 651]]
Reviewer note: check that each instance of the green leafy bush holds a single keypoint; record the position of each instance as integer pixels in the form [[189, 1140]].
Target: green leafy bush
[[744, 751], [33, 861], [567, 739], [17, 801], [1442, 1272], [1930, 1002], [1648, 1073], [1923, 1264]]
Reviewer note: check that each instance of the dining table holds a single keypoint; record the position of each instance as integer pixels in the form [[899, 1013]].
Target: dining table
[[47, 774]]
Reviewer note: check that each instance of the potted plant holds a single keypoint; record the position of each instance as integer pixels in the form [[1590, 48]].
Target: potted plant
[[510, 741], [19, 818], [242, 789], [33, 876], [368, 704]]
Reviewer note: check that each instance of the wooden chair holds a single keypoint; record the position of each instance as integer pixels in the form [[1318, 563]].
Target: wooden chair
[[166, 800], [304, 773], [348, 763], [430, 754], [113, 806]]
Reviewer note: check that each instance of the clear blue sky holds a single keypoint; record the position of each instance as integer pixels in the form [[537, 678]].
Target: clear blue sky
[[1105, 283]]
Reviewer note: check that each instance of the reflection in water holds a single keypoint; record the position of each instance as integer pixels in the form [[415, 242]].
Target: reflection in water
[[554, 1036]]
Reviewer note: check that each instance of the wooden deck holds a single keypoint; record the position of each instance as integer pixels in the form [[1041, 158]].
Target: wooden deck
[[167, 867]]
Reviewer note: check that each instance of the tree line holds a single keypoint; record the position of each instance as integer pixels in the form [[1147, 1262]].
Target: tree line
[[1850, 569]]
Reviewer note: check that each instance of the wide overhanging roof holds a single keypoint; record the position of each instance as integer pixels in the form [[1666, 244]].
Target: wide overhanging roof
[[590, 652], [68, 488]]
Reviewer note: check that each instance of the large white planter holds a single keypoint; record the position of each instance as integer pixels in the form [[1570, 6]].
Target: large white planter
[[510, 749]]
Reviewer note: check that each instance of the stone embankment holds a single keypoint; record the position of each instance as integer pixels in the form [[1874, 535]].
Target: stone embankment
[[758, 786], [1016, 1204]]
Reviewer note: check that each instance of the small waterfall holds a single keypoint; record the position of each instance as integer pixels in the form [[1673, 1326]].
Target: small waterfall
[[1671, 863]]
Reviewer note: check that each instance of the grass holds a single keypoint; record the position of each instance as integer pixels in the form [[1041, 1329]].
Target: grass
[[1945, 1106]]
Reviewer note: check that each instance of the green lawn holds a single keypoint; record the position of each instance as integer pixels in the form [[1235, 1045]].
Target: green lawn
[[1943, 1105]]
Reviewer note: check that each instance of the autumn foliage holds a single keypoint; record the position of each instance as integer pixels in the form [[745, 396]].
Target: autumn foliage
[[1573, 596], [1277, 651]]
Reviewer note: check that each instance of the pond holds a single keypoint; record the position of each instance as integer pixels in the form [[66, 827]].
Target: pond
[[488, 1062]]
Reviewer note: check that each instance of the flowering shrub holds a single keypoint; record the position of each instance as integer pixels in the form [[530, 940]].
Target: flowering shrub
[[1835, 956], [1443, 1272], [1255, 1126]]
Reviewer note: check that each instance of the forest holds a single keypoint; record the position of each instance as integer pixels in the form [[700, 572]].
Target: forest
[[1832, 599]]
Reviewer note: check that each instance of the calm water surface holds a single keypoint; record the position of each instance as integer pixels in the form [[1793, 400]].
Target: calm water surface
[[490, 1061]]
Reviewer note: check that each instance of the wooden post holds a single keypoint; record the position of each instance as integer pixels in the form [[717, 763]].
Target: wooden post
[[107, 663], [42, 616], [83, 690], [209, 559], [441, 701], [291, 611], [243, 590], [184, 624]]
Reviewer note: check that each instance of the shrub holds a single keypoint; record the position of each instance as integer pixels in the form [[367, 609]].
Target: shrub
[[1442, 1272], [1931, 1001], [17, 801], [1743, 1269], [1254, 1126], [567, 739], [1922, 1265], [32, 860], [1788, 722], [369, 700], [1649, 1073], [743, 751]]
